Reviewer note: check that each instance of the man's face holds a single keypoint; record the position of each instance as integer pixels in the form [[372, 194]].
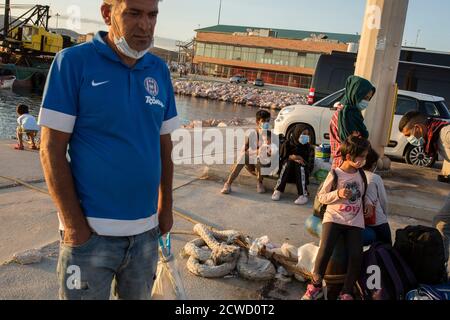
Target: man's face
[[136, 21], [417, 131]]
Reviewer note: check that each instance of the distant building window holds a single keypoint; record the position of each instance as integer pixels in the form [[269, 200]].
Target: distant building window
[[301, 60], [208, 50], [237, 53], [311, 60], [200, 51]]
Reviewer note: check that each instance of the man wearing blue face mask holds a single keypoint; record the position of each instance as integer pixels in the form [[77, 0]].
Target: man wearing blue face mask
[[249, 155], [434, 136], [110, 103]]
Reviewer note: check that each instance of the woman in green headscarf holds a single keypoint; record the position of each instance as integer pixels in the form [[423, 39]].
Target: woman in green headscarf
[[348, 119]]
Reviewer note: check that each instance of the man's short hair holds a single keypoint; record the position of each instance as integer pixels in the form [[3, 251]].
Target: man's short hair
[[371, 159], [22, 109], [262, 115], [410, 119], [354, 147]]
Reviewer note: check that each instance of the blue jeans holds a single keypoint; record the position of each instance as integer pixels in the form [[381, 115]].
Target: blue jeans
[[125, 264]]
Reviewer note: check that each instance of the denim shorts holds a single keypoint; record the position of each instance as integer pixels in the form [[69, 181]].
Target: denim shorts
[[109, 267]]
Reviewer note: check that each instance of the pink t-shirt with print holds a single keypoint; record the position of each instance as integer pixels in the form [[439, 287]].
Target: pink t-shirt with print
[[347, 212]]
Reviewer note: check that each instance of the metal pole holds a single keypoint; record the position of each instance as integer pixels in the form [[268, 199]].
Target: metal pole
[[6, 19], [220, 11], [57, 20], [378, 60]]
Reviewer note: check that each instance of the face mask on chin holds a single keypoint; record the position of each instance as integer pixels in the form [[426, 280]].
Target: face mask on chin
[[124, 48]]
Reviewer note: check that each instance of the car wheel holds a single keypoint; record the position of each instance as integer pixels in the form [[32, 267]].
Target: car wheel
[[417, 157]]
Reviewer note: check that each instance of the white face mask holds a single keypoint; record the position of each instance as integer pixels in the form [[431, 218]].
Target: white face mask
[[124, 48]]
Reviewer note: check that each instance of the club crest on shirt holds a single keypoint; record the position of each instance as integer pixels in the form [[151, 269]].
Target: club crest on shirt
[[151, 86]]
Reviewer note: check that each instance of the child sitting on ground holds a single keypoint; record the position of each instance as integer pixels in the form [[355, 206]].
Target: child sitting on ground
[[249, 155], [376, 201], [27, 125], [295, 154], [344, 216]]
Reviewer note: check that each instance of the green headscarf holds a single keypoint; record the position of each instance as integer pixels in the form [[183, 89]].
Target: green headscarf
[[350, 118]]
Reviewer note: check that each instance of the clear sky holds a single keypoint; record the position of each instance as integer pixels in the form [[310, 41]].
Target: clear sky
[[179, 18]]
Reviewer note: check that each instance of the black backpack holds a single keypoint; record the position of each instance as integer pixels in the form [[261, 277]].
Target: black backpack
[[320, 208], [423, 249], [397, 279]]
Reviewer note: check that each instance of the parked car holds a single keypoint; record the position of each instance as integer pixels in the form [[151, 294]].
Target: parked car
[[238, 79], [258, 83], [426, 73], [318, 117]]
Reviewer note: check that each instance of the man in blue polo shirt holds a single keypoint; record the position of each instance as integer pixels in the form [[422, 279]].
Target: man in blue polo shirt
[[112, 104]]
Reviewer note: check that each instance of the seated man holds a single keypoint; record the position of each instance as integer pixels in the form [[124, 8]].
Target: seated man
[[250, 152], [434, 136]]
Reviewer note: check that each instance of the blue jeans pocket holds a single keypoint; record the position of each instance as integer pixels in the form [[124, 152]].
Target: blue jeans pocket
[[91, 240]]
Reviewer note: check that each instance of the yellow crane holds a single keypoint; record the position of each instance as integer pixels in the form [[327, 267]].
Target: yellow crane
[[29, 33]]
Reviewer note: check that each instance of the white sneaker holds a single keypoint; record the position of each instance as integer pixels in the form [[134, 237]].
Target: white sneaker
[[301, 200], [276, 195]]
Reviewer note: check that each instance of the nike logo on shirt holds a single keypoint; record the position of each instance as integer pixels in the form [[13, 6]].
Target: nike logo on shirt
[[94, 84]]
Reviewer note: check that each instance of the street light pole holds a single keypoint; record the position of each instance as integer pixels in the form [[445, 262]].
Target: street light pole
[[220, 11], [57, 20]]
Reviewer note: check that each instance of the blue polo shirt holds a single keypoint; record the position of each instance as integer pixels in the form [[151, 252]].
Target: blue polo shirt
[[115, 115]]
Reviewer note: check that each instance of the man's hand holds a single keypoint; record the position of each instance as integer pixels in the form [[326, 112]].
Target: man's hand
[[77, 237], [165, 221], [345, 193]]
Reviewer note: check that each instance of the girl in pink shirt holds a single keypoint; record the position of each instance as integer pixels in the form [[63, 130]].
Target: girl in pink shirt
[[344, 216]]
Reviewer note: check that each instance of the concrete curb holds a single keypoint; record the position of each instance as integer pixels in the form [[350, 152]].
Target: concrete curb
[[396, 207]]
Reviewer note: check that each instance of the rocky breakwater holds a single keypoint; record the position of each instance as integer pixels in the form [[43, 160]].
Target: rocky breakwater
[[239, 94], [216, 123]]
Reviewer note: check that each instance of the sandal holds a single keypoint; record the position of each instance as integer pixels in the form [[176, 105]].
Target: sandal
[[18, 147], [34, 148]]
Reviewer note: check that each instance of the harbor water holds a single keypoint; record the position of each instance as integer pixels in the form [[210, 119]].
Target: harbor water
[[189, 108]]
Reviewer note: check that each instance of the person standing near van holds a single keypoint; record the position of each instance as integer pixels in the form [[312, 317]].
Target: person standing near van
[[348, 119]]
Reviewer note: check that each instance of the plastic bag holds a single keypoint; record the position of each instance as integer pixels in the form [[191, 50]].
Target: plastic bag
[[307, 258], [321, 170], [259, 243], [168, 284]]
